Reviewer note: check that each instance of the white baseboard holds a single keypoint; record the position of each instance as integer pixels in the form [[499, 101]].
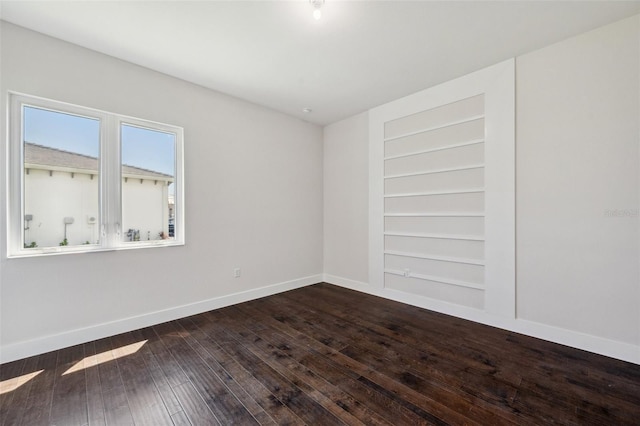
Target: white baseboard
[[82, 335], [614, 349], [599, 345]]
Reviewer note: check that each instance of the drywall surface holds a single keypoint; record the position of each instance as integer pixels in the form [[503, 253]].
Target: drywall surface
[[577, 193], [254, 196], [346, 198], [578, 118], [253, 191]]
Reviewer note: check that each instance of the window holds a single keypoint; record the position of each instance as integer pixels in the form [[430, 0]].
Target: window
[[86, 180]]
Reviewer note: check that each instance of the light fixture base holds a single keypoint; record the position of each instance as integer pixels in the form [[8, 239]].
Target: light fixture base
[[317, 4]]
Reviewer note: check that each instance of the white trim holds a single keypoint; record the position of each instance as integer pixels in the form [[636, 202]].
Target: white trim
[[438, 127], [435, 236], [497, 84], [443, 214], [440, 148], [435, 279], [599, 345], [438, 258], [74, 337], [430, 193], [110, 177], [434, 171], [376, 203], [346, 283], [499, 202], [615, 349]]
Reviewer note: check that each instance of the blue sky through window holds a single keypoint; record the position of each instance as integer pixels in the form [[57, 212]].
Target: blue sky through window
[[148, 149], [143, 148], [62, 131]]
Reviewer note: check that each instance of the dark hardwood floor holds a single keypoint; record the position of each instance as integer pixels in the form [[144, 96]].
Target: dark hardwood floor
[[320, 355]]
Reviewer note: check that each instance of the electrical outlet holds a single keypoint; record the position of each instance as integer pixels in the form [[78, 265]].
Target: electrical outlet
[[236, 272]]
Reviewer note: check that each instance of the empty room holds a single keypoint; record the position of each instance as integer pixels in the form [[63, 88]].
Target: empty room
[[319, 212]]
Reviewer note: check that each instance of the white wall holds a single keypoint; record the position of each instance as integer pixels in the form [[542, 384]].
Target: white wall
[[346, 198], [578, 150], [253, 184], [577, 157]]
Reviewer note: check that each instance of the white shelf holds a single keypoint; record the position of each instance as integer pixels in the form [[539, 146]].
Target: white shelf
[[443, 214], [438, 258], [440, 148], [429, 193], [436, 279], [436, 236], [434, 171], [440, 126]]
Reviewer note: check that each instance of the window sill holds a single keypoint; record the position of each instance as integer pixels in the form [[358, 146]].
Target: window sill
[[57, 251]]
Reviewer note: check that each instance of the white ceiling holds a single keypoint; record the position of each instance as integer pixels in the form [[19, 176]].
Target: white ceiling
[[359, 55]]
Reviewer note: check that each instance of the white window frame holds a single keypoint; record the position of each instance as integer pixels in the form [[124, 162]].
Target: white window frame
[[110, 179]]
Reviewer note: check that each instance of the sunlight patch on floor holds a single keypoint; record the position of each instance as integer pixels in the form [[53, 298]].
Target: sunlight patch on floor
[[10, 385], [94, 360]]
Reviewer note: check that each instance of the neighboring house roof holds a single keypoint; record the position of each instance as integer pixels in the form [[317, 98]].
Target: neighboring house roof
[[35, 154]]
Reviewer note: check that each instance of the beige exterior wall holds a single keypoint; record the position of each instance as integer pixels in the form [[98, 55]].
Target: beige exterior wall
[[145, 207], [50, 198]]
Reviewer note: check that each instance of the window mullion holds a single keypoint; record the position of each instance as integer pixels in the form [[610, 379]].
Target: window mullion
[[112, 187], [15, 168], [179, 190]]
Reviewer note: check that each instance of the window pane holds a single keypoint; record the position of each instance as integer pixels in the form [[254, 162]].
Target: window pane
[[61, 178], [148, 189]]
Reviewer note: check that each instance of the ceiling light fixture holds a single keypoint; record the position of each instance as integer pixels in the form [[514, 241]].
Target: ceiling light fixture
[[317, 4]]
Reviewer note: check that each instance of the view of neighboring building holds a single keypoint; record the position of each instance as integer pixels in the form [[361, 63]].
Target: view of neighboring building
[[61, 199]]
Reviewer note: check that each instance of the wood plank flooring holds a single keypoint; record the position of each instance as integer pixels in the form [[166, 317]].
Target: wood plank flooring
[[320, 355]]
